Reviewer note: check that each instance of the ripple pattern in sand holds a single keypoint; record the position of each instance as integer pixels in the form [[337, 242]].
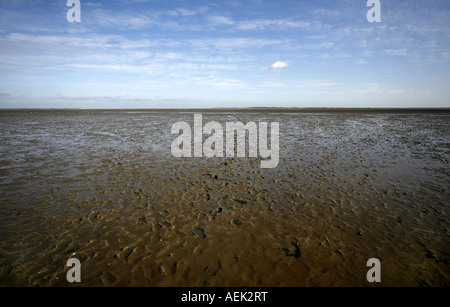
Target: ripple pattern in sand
[[102, 187]]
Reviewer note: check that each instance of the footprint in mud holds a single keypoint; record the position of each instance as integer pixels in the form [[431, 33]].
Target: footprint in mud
[[108, 278], [297, 253], [216, 212], [200, 232], [242, 202]]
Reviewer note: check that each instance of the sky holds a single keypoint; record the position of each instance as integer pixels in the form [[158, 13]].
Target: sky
[[236, 53]]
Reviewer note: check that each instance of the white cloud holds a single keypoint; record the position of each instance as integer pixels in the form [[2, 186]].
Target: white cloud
[[187, 12], [276, 65], [222, 83], [361, 62], [262, 24], [369, 88], [272, 84], [122, 20], [232, 44], [313, 84], [220, 20], [396, 52]]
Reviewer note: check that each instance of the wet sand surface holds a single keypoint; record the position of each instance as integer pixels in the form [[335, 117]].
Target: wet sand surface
[[103, 187]]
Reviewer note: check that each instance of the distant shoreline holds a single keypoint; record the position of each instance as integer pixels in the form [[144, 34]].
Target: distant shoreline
[[241, 110]]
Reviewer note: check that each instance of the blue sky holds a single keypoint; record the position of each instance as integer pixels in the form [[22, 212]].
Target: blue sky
[[166, 54]]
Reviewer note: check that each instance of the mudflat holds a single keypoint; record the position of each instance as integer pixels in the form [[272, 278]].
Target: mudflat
[[102, 186]]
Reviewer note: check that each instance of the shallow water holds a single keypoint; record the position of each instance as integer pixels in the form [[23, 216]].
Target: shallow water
[[103, 187]]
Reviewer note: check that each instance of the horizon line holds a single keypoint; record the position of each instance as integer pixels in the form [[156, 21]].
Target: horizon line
[[243, 109]]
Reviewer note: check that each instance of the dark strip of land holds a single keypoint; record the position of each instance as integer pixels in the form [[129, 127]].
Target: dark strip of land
[[249, 110]]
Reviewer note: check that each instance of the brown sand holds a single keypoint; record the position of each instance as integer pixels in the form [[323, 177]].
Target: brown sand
[[103, 187]]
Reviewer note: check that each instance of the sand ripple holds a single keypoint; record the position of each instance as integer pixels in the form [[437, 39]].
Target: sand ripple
[[104, 188]]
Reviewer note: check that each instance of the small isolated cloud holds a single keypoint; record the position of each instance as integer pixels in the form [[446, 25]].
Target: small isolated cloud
[[276, 65]]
